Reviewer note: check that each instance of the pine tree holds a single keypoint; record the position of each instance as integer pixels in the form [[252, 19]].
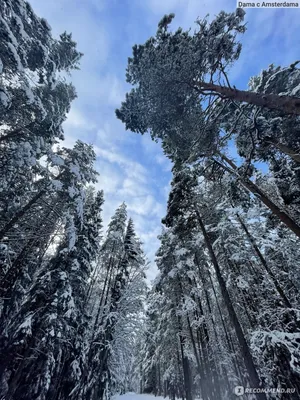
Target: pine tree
[[170, 101], [53, 309]]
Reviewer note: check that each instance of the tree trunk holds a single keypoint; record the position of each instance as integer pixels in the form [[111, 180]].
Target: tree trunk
[[17, 132], [186, 369], [229, 342], [105, 290], [246, 299], [95, 275], [264, 263], [248, 360], [185, 361], [219, 367], [295, 155], [285, 104], [248, 184], [159, 379], [20, 214]]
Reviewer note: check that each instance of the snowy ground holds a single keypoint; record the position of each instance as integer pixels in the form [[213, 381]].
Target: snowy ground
[[134, 396]]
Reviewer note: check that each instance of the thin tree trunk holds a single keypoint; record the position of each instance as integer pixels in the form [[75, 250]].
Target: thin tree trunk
[[179, 373], [141, 379], [199, 361], [248, 184], [105, 288], [185, 366], [185, 361], [246, 300], [95, 275], [20, 214], [197, 356], [17, 132], [228, 339], [285, 104], [248, 360], [294, 154], [264, 263], [221, 366], [159, 379]]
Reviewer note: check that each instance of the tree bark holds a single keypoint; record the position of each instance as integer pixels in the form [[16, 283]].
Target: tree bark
[[229, 342], [248, 360], [264, 263], [20, 214], [185, 367], [295, 155], [27, 207], [249, 185], [17, 132], [285, 104]]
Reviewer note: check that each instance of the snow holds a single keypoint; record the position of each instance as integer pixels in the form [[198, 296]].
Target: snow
[[57, 160], [79, 206], [52, 317], [180, 252], [57, 185], [75, 170], [71, 191], [135, 396], [16, 57], [275, 338], [75, 266], [22, 8], [241, 283], [26, 325], [21, 27], [29, 93], [296, 91], [4, 99], [62, 276], [9, 32], [172, 273]]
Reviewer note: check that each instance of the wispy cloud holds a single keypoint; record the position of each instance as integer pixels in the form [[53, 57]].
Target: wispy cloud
[[77, 120], [133, 168]]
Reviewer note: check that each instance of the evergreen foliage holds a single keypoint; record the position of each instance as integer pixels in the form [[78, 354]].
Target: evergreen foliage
[[224, 309], [57, 317], [77, 318]]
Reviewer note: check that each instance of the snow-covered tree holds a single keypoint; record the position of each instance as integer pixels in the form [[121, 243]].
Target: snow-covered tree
[[179, 103], [53, 310]]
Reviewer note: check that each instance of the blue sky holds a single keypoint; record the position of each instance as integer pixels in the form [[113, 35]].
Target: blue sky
[[132, 168]]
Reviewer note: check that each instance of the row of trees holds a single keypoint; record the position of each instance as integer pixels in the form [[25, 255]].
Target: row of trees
[[224, 309], [70, 300]]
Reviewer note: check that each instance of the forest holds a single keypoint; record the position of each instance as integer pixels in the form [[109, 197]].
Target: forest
[[78, 318]]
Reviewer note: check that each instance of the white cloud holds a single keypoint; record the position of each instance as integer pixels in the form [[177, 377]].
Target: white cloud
[[146, 206], [116, 91], [134, 169], [165, 190], [99, 90], [186, 11], [154, 151], [69, 140], [76, 119], [132, 188], [124, 179], [110, 178]]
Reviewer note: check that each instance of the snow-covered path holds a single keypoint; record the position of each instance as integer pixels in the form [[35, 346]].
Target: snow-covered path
[[134, 396]]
